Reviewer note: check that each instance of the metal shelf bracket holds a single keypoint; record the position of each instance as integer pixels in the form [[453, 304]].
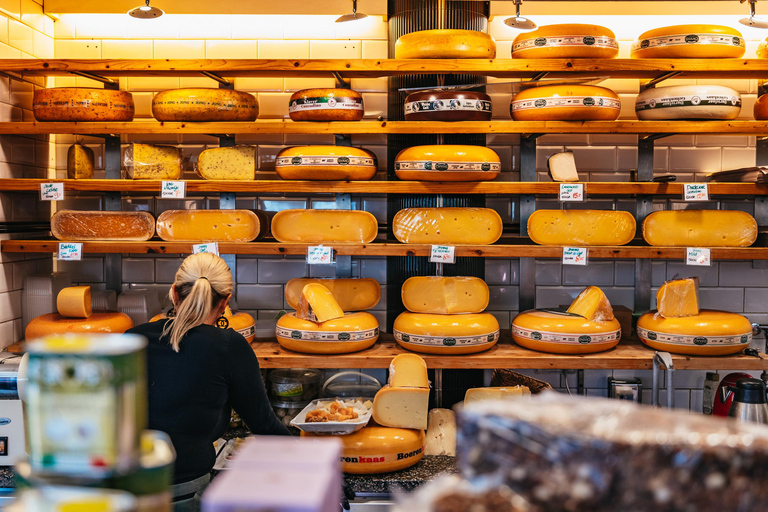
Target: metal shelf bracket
[[94, 76], [659, 359], [666, 76], [214, 76]]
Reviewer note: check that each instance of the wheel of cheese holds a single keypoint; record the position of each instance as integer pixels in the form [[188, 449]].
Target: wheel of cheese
[[581, 227], [447, 226], [82, 104], [241, 322], [700, 228], [566, 41], [334, 163], [688, 102], [205, 105], [447, 163], [761, 108], [689, 42], [326, 105], [98, 225], [445, 44], [325, 226], [351, 333], [98, 322], [208, 226], [559, 332], [710, 333], [446, 334], [565, 103], [762, 50], [448, 106], [351, 294]]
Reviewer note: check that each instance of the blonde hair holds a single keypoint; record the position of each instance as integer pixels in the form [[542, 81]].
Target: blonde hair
[[202, 282]]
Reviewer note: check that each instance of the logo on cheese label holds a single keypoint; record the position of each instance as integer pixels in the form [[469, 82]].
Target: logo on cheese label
[[344, 336], [585, 339], [566, 101], [325, 103], [688, 101], [440, 106], [744, 338], [589, 40], [322, 161], [736, 41], [686, 39], [342, 160], [428, 165], [296, 335], [327, 336], [562, 41], [536, 336], [540, 41], [692, 38], [247, 332], [441, 166], [645, 43], [438, 341], [540, 103], [590, 102], [449, 342], [699, 341], [682, 339], [563, 338]]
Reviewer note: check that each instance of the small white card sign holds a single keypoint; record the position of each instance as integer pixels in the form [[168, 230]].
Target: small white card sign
[[443, 254], [695, 192], [212, 247], [319, 255], [571, 192], [575, 256], [51, 191], [698, 256], [173, 190], [70, 251]]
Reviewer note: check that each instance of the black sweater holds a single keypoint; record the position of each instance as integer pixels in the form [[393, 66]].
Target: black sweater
[[191, 392]]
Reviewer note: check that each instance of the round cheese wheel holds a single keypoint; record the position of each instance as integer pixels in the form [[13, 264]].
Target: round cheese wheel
[[205, 105], [700, 228], [447, 163], [761, 108], [762, 50], [447, 226], [710, 333], [689, 42], [82, 104], [351, 333], [326, 105], [565, 103], [446, 334], [209, 226], [327, 163], [445, 44], [559, 332], [566, 41], [321, 226], [448, 106], [241, 322], [98, 322], [688, 102]]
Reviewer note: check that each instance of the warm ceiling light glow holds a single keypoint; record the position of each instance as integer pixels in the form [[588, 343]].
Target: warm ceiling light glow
[[145, 12], [352, 17]]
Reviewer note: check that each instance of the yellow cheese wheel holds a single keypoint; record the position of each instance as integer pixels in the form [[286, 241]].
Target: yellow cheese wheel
[[80, 162], [761, 108], [700, 228], [227, 163], [82, 104], [710, 333], [566, 41], [325, 163], [325, 226], [688, 102], [565, 103], [445, 44], [445, 295], [762, 50], [447, 163], [449, 226], [559, 332], [375, 449], [351, 294], [208, 226], [350, 333], [241, 322], [205, 105], [689, 41], [326, 105], [99, 322], [98, 225], [581, 227], [74, 302], [446, 334]]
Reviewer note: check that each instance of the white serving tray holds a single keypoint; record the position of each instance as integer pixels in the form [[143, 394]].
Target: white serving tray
[[338, 428]]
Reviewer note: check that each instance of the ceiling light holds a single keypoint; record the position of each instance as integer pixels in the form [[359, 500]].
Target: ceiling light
[[350, 17], [145, 12], [519, 22], [752, 21]]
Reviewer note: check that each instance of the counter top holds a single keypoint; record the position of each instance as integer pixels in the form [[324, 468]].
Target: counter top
[[407, 480]]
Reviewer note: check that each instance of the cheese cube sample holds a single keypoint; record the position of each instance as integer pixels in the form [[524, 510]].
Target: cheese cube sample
[[445, 295], [592, 304], [401, 407], [562, 167], [408, 371], [148, 162], [80, 162], [317, 304], [581, 227], [351, 294], [228, 163], [679, 297], [74, 302], [700, 228], [502, 393], [450, 226], [441, 433]]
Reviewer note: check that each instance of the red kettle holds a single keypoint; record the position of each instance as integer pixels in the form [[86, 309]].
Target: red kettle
[[724, 395]]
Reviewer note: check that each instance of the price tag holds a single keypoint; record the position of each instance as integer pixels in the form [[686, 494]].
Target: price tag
[[575, 256], [70, 251], [51, 191], [695, 192], [320, 255], [173, 190], [697, 256], [571, 192], [443, 254], [211, 247]]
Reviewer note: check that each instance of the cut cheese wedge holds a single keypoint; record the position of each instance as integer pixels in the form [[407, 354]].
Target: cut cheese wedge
[[82, 104], [317, 304], [326, 105], [98, 225], [559, 332], [593, 305], [241, 322], [581, 227], [446, 334], [350, 333], [447, 163], [351, 294], [689, 42], [441, 433], [688, 102], [325, 226], [324, 163], [74, 302], [408, 371], [228, 163], [700, 228], [98, 322], [202, 104], [710, 333], [445, 44], [502, 393], [445, 295], [678, 297], [80, 162], [401, 407], [208, 226], [449, 226], [149, 162], [562, 167], [566, 41], [565, 103]]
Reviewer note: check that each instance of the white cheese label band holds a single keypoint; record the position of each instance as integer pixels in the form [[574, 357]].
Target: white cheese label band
[[693, 100], [679, 339], [447, 341], [541, 42], [686, 39], [431, 165], [325, 103], [248, 331], [199, 102], [566, 101], [325, 160], [447, 105], [567, 339], [381, 459], [296, 334], [72, 103]]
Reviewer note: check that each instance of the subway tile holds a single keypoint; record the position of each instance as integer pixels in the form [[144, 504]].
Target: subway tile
[[375, 49], [375, 104], [64, 27], [43, 45], [205, 26], [372, 27], [138, 270], [165, 269], [166, 27], [755, 300], [231, 49], [273, 105], [497, 271], [135, 49], [257, 26], [103, 26], [280, 270], [376, 206], [151, 83], [77, 49], [730, 299], [185, 49], [375, 268], [504, 297], [722, 141], [21, 36], [597, 378], [247, 270], [708, 276], [335, 49], [621, 296], [253, 84], [309, 27], [503, 49], [293, 84], [259, 296], [733, 158], [695, 159], [597, 273], [741, 273], [88, 270], [8, 334], [283, 49], [198, 81], [554, 296], [10, 306], [9, 52], [543, 153], [548, 272], [503, 317]]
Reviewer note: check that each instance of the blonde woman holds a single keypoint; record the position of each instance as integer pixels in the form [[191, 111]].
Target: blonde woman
[[197, 372]]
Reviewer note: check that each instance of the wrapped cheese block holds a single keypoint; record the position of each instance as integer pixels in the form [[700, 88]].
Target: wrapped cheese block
[[80, 162], [351, 294], [97, 225], [566, 41], [447, 163], [448, 106], [445, 44], [688, 102], [241, 322], [149, 162], [74, 302], [228, 163], [317, 304], [565, 103], [581, 227], [97, 323], [325, 163], [82, 104], [326, 105], [325, 226], [202, 104], [710, 333], [209, 226], [499, 393], [449, 226], [446, 334], [441, 433], [760, 109], [445, 295], [350, 333], [678, 297], [689, 41], [700, 228]]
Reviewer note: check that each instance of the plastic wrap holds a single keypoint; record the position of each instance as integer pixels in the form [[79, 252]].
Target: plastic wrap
[[205, 105], [593, 305], [326, 105], [350, 333], [445, 44], [82, 104], [710, 333], [678, 297], [208, 226], [559, 332], [565, 103], [322, 163], [99, 322], [351, 294], [446, 334], [227, 163], [102, 225], [317, 304], [445, 295], [449, 226], [325, 226], [700, 228], [80, 162], [447, 163], [581, 227], [441, 433], [448, 106], [566, 41], [149, 162]]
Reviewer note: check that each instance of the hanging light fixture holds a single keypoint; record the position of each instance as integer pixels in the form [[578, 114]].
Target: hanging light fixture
[[145, 12], [752, 21], [353, 16], [520, 22]]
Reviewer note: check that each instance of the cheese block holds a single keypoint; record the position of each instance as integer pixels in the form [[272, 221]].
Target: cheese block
[[710, 333], [80, 162], [401, 407], [205, 105], [149, 162], [351, 294], [445, 295], [565, 103], [700, 228], [566, 41], [227, 163], [317, 304], [445, 44], [593, 305], [74, 302], [208, 226], [441, 433], [502, 393], [760, 109], [446, 334], [448, 226], [762, 50], [447, 163], [350, 333], [343, 163], [689, 42], [688, 102], [375, 449], [581, 227], [562, 167], [98, 225], [559, 332], [408, 371], [448, 106], [326, 105], [678, 297], [241, 322], [82, 104], [99, 322], [325, 226]]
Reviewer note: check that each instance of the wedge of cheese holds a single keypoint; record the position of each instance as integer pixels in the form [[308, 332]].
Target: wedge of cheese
[[441, 433], [325, 226], [350, 333], [408, 371], [560, 332], [401, 407], [693, 41], [208, 226], [566, 41], [445, 295], [149, 162], [228, 163], [74, 302], [97, 323], [501, 393], [678, 297], [593, 305], [562, 167], [317, 304], [102, 225], [445, 44], [700, 228], [710, 333], [351, 294], [446, 334], [80, 162], [449, 226], [581, 227]]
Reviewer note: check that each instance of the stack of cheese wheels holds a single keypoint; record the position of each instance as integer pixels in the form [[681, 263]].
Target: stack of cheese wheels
[[688, 102], [342, 163], [761, 108], [210, 226], [448, 106], [679, 326], [75, 225], [227, 163], [587, 326], [75, 315], [566, 41], [581, 227], [81, 104], [447, 163], [447, 226], [241, 322], [565, 103], [700, 228], [445, 44], [326, 105], [689, 42], [150, 162], [445, 316], [325, 226], [205, 105]]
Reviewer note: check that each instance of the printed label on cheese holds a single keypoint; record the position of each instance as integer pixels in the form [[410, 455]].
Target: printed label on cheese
[[566, 101], [447, 341], [85, 103], [430, 165], [381, 459], [325, 103], [247, 332], [195, 101], [694, 100], [686, 39], [567, 339], [296, 334], [591, 41], [414, 107], [324, 160], [681, 339]]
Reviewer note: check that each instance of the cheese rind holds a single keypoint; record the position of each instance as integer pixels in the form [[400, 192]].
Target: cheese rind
[[449, 226], [445, 295], [98, 322], [445, 44], [498, 393], [581, 227], [331, 104], [325, 226], [559, 332], [317, 304], [448, 106], [228, 163], [441, 433], [447, 163], [408, 371], [565, 103], [74, 302], [593, 305], [688, 102], [201, 104], [351, 333], [678, 297], [102, 225], [446, 334], [351, 294], [325, 163], [710, 333], [208, 226], [80, 162], [562, 167], [700, 228], [401, 407], [760, 109], [566, 41], [689, 42], [149, 162], [82, 104]]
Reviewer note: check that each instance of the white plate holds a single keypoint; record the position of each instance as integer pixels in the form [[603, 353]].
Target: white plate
[[338, 428]]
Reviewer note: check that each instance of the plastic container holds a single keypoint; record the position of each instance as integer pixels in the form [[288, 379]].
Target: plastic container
[[39, 294], [294, 385], [286, 411], [350, 385], [338, 428], [139, 304]]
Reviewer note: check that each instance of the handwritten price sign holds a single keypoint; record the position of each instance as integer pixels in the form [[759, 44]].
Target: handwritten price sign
[[51, 191], [69, 251], [698, 256], [442, 254], [575, 256], [212, 247], [696, 192], [320, 255], [173, 190], [571, 192]]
